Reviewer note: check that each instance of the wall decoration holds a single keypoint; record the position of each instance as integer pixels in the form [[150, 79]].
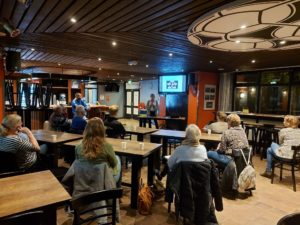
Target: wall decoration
[[209, 97]]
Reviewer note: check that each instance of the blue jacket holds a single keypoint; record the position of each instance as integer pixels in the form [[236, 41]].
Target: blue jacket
[[76, 102]]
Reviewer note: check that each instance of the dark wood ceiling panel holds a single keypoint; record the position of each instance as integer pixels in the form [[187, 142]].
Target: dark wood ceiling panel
[[54, 15], [18, 13], [41, 16], [30, 14], [7, 9], [66, 16], [37, 55], [93, 15]]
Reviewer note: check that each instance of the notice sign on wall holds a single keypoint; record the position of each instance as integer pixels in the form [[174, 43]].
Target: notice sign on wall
[[209, 97]]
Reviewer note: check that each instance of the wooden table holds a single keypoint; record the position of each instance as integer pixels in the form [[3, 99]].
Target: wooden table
[[46, 136], [32, 191], [176, 134], [150, 151], [139, 131], [143, 119]]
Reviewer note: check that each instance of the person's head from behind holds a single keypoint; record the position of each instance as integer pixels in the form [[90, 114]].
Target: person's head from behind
[[58, 110], [233, 120], [291, 121], [93, 138], [80, 111], [113, 110], [78, 96], [152, 96], [10, 124], [221, 116], [192, 135]]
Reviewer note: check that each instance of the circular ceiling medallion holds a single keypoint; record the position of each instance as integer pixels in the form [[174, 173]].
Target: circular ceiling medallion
[[249, 26]]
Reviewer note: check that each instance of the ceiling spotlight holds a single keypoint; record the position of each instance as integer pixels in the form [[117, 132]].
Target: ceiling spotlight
[[237, 41], [118, 74], [114, 43], [141, 78], [114, 79], [73, 20], [253, 61], [243, 26], [147, 65], [58, 64], [100, 68], [132, 75], [170, 54], [32, 49], [99, 59], [210, 61], [282, 42], [9, 28]]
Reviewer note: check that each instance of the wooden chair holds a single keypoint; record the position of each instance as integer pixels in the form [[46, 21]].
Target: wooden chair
[[291, 219], [294, 163], [30, 218], [85, 205]]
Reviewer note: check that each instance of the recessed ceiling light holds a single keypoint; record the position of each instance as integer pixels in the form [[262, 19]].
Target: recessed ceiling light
[[243, 26], [147, 65], [282, 42], [253, 60], [237, 41], [114, 43], [153, 77], [100, 68], [141, 78], [32, 49], [118, 74], [73, 20], [221, 69], [211, 61], [132, 75], [114, 79], [170, 54], [58, 64], [99, 59]]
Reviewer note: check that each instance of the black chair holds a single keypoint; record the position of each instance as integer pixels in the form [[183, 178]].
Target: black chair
[[253, 129], [85, 205], [7, 162], [266, 134], [30, 218], [280, 162], [291, 219]]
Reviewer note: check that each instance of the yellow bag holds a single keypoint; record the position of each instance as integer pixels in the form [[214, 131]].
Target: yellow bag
[[145, 199]]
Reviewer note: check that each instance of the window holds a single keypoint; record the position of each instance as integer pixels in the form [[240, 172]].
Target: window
[[275, 77], [251, 78], [245, 99], [91, 93], [295, 100]]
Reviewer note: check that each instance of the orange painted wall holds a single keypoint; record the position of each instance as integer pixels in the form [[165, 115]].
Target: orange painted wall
[[2, 98], [204, 116]]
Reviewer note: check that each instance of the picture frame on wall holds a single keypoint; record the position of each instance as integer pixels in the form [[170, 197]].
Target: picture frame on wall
[[209, 97]]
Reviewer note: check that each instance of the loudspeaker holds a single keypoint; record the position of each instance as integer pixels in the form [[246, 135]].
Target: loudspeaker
[[13, 61], [192, 79]]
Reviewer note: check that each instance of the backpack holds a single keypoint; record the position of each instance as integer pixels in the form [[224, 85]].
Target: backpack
[[145, 199], [247, 177]]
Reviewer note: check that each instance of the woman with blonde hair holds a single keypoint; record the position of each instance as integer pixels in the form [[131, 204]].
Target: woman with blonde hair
[[19, 140], [288, 137], [94, 148], [232, 139]]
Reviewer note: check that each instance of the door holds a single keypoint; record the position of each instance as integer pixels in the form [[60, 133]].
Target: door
[[131, 103]]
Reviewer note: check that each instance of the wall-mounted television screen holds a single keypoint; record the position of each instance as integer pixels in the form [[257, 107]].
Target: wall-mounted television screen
[[172, 83]]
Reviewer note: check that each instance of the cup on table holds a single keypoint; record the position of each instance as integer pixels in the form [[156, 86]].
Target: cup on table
[[134, 128], [54, 137], [142, 145], [209, 131], [123, 144]]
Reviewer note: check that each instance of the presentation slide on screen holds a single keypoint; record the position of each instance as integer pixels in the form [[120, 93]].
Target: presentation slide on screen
[[171, 84]]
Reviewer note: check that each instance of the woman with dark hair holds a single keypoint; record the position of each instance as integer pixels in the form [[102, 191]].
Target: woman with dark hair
[[59, 119]]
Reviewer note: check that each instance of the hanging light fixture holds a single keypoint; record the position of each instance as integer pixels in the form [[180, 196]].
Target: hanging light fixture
[[9, 28]]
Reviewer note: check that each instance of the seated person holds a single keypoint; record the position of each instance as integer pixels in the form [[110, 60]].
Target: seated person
[[232, 139], [190, 150], [288, 137], [114, 128], [59, 119], [20, 141], [94, 149], [220, 126], [78, 122]]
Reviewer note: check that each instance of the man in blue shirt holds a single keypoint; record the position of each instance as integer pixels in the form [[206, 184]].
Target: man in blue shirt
[[78, 101]]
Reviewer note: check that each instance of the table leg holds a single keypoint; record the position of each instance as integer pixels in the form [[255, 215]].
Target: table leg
[[54, 149], [150, 169], [149, 122], [165, 146], [141, 122], [140, 137], [135, 180], [49, 216]]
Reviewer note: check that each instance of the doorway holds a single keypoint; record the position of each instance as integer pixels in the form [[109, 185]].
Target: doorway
[[132, 99]]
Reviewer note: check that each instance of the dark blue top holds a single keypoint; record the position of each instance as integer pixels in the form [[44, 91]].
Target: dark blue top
[[78, 123], [76, 102]]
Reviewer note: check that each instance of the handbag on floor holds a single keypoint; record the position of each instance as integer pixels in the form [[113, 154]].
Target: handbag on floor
[[145, 199]]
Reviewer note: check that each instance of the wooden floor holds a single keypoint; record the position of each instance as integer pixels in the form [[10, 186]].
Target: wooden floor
[[268, 204]]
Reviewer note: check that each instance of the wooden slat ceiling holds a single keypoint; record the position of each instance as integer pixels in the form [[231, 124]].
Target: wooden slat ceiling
[[145, 31]]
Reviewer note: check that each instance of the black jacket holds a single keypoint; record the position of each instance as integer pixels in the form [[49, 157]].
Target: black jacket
[[114, 128], [195, 184]]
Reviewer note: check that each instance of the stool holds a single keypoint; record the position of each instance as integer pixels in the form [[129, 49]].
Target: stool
[[267, 134], [253, 130]]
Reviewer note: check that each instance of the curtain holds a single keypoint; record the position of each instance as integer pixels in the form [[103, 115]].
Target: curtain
[[225, 92]]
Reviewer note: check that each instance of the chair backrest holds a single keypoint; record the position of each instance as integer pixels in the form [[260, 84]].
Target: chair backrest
[[7, 162], [239, 160], [30, 218], [296, 155], [87, 204], [292, 219]]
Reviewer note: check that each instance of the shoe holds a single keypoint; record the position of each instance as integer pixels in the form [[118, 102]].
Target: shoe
[[266, 174]]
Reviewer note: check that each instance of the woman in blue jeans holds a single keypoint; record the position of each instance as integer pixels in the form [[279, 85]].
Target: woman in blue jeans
[[288, 137], [232, 139]]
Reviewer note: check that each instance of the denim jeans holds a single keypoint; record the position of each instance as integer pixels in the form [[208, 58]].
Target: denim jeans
[[271, 151], [218, 158]]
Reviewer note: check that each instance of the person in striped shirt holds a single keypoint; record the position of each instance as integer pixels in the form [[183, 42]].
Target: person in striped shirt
[[20, 141]]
